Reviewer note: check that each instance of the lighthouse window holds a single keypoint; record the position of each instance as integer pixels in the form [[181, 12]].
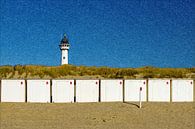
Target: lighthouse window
[[63, 57]]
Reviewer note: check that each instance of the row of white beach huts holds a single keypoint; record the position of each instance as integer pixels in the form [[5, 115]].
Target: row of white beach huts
[[116, 90]]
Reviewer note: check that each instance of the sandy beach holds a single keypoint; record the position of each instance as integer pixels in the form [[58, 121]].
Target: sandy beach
[[97, 116]]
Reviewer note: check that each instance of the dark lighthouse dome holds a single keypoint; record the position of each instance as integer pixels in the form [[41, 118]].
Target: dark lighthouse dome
[[64, 40]]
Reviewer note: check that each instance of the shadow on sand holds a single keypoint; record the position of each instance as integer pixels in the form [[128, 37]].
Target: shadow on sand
[[130, 103]]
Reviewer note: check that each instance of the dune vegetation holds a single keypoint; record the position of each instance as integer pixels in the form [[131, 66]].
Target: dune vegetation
[[84, 72]]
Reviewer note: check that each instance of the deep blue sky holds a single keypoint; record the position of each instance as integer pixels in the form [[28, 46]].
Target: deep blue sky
[[116, 33]]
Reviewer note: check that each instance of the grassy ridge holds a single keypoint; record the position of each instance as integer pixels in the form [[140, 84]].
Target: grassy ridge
[[70, 71]]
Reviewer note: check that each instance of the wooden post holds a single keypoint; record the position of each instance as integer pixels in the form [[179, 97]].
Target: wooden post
[[51, 99], [123, 90], [171, 91], [140, 97], [25, 84], [99, 90], [147, 87], [74, 90]]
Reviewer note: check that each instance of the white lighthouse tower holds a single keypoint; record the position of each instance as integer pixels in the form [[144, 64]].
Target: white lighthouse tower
[[64, 47]]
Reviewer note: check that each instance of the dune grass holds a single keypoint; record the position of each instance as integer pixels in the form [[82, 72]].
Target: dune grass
[[71, 71]]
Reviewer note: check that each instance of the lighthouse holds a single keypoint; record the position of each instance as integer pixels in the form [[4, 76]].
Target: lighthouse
[[64, 47]]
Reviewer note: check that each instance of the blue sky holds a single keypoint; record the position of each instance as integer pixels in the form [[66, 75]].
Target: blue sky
[[126, 33]]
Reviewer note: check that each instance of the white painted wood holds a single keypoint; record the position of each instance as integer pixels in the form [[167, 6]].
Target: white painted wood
[[159, 90], [111, 90], [87, 90], [62, 91], [38, 91], [182, 90], [132, 90], [12, 90]]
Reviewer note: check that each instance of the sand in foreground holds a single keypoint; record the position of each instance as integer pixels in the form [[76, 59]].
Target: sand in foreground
[[97, 116]]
